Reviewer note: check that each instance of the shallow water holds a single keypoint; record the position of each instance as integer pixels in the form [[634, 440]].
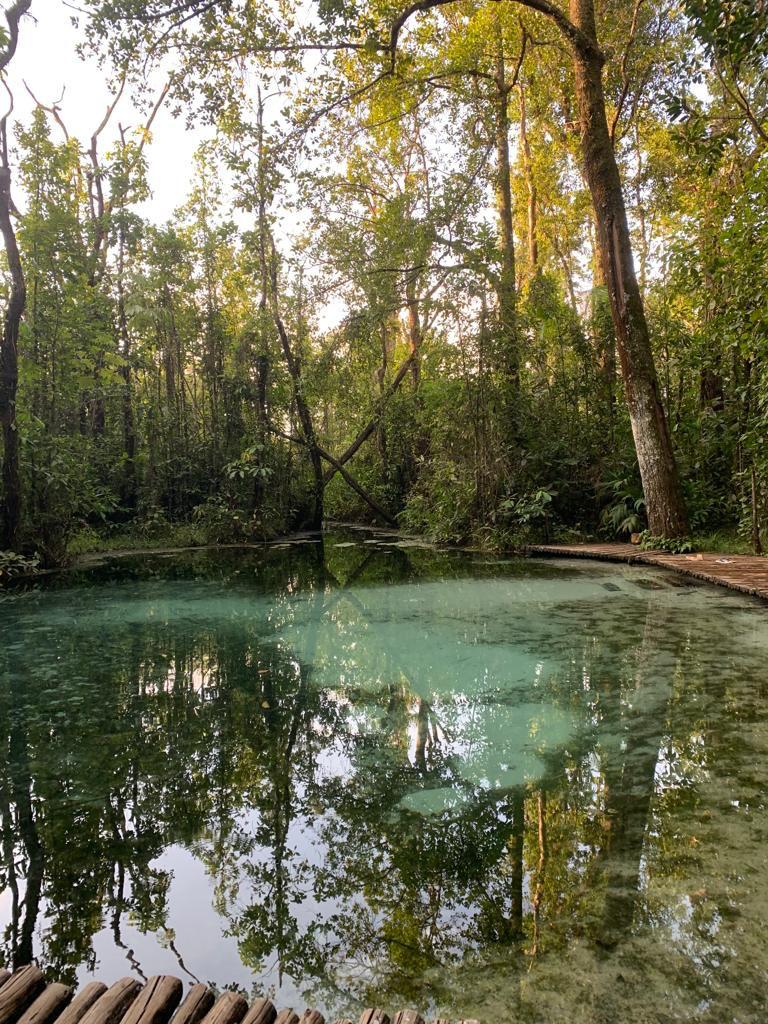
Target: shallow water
[[360, 773]]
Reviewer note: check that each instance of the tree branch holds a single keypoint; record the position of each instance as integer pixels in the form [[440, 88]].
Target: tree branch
[[624, 75], [580, 41], [13, 16], [53, 110], [371, 425], [338, 468]]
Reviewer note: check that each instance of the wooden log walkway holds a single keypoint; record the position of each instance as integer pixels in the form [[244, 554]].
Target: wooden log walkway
[[746, 573], [27, 998]]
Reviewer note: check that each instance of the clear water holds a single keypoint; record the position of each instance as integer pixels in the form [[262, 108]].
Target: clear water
[[359, 773]]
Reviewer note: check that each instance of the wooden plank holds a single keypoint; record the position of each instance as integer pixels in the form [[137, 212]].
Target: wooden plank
[[374, 1015], [311, 1016], [48, 1005], [82, 1002], [197, 1003], [156, 1002], [229, 1008], [4, 975], [408, 1017], [287, 1017], [19, 991], [261, 1012], [110, 1008]]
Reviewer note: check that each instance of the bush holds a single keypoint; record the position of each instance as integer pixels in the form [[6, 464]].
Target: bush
[[13, 565], [672, 545], [223, 523], [625, 512]]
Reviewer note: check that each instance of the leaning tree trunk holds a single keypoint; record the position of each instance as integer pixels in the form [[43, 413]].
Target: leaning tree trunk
[[9, 369], [293, 362], [661, 484]]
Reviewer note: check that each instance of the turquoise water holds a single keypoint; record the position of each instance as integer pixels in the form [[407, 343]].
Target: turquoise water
[[367, 772]]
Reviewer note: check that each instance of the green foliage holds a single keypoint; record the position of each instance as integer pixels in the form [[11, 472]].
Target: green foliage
[[219, 522], [528, 514], [121, 538], [13, 565], [157, 393], [624, 512], [735, 30], [724, 541], [249, 465], [672, 545], [442, 510]]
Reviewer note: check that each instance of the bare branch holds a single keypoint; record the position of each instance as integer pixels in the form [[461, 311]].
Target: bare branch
[[110, 110], [53, 110], [625, 83]]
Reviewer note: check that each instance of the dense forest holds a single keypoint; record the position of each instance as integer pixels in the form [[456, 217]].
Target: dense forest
[[485, 271]]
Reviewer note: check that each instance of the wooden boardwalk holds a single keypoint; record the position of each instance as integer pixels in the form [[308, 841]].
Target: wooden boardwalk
[[26, 998], [747, 573]]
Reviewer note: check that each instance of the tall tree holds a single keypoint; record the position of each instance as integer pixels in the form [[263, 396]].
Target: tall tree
[[9, 357]]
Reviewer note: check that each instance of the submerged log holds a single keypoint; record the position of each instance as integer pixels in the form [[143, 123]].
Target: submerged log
[[19, 991], [157, 1001], [196, 1005], [48, 1005], [230, 1008], [110, 1007], [287, 1017], [82, 1003], [262, 1012]]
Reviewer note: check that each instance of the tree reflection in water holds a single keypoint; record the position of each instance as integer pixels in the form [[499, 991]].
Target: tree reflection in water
[[410, 778]]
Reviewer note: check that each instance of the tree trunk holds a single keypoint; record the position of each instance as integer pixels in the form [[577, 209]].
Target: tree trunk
[[530, 182], [604, 339], [315, 520], [9, 369], [661, 484], [506, 287], [645, 245], [371, 425], [262, 418], [757, 543], [415, 336], [129, 496], [10, 505]]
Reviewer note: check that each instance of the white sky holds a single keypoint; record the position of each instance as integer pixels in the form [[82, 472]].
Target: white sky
[[47, 61]]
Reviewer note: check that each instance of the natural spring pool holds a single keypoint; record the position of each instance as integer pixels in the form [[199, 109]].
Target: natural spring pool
[[357, 771]]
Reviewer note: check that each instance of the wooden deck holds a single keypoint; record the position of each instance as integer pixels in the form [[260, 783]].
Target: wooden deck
[[747, 573], [26, 998]]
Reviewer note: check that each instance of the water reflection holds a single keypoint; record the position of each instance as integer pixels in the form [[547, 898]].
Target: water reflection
[[369, 774]]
